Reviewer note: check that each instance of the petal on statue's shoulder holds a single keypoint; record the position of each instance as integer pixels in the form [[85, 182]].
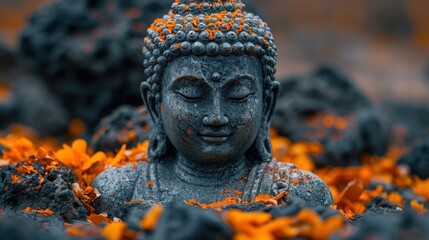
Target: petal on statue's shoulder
[[116, 186], [303, 184]]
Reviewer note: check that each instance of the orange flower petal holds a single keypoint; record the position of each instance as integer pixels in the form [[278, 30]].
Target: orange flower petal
[[118, 156], [80, 145], [149, 221], [98, 157], [114, 230]]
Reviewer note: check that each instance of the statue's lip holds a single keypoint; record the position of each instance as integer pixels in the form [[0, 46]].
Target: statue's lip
[[215, 137], [221, 133]]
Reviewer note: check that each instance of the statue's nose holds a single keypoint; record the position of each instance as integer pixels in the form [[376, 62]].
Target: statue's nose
[[215, 120], [215, 117]]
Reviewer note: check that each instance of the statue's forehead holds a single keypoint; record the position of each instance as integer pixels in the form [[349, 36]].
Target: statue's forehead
[[210, 68]]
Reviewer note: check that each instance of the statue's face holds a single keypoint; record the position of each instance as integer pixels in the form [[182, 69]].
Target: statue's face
[[212, 106]]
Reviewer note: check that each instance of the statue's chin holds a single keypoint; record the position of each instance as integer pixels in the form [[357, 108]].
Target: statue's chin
[[213, 156]]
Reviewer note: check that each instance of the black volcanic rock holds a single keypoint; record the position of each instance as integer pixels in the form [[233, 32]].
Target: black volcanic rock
[[389, 226], [182, 222], [20, 228], [38, 108], [417, 159], [30, 103], [40, 190], [7, 56], [126, 125], [326, 107], [25, 99], [89, 52], [407, 122]]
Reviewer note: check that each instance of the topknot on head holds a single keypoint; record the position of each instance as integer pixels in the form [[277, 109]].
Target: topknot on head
[[184, 7]]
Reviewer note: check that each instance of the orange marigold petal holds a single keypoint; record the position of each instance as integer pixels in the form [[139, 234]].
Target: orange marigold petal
[[98, 157], [149, 221], [80, 145], [114, 230], [118, 156]]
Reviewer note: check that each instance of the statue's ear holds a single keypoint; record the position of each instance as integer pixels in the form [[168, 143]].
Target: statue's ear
[[149, 101], [158, 142], [271, 100], [262, 146]]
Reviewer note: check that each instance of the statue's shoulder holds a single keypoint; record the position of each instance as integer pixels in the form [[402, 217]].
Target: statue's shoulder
[[299, 183], [116, 186]]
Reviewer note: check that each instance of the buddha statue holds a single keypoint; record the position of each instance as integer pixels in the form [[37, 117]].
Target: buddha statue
[[210, 92]]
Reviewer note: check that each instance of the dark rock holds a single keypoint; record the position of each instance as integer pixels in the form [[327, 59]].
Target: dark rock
[[26, 99], [408, 195], [37, 108], [179, 221], [40, 190], [126, 125], [1, 150], [380, 202], [250, 207], [393, 225], [295, 205], [417, 159], [7, 61], [45, 223], [326, 107], [134, 215], [407, 122], [390, 19], [89, 52], [30, 103], [7, 56], [19, 228], [290, 208]]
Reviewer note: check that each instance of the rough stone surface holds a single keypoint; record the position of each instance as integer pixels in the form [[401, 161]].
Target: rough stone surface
[[7, 56], [407, 122], [89, 52], [417, 159], [385, 226], [36, 107], [295, 204], [40, 191], [25, 99], [126, 125], [116, 192], [19, 228], [181, 222], [326, 107]]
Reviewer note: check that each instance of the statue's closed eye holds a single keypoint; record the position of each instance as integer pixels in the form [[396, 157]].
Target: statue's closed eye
[[240, 97], [190, 94], [240, 93]]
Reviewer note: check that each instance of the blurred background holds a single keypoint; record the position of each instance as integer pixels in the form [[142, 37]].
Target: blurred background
[[382, 44]]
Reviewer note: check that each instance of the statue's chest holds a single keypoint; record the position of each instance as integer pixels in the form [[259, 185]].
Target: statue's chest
[[207, 194], [150, 187]]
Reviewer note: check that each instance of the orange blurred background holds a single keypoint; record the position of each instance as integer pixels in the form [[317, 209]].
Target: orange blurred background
[[382, 44]]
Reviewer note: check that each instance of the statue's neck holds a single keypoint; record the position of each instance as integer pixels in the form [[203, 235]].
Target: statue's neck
[[209, 174]]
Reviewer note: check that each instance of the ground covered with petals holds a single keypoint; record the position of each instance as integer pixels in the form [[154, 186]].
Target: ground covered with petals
[[50, 185]]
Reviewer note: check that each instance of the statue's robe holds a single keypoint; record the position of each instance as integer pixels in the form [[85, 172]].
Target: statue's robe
[[141, 182]]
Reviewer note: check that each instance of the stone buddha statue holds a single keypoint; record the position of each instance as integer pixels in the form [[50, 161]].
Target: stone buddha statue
[[210, 92]]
